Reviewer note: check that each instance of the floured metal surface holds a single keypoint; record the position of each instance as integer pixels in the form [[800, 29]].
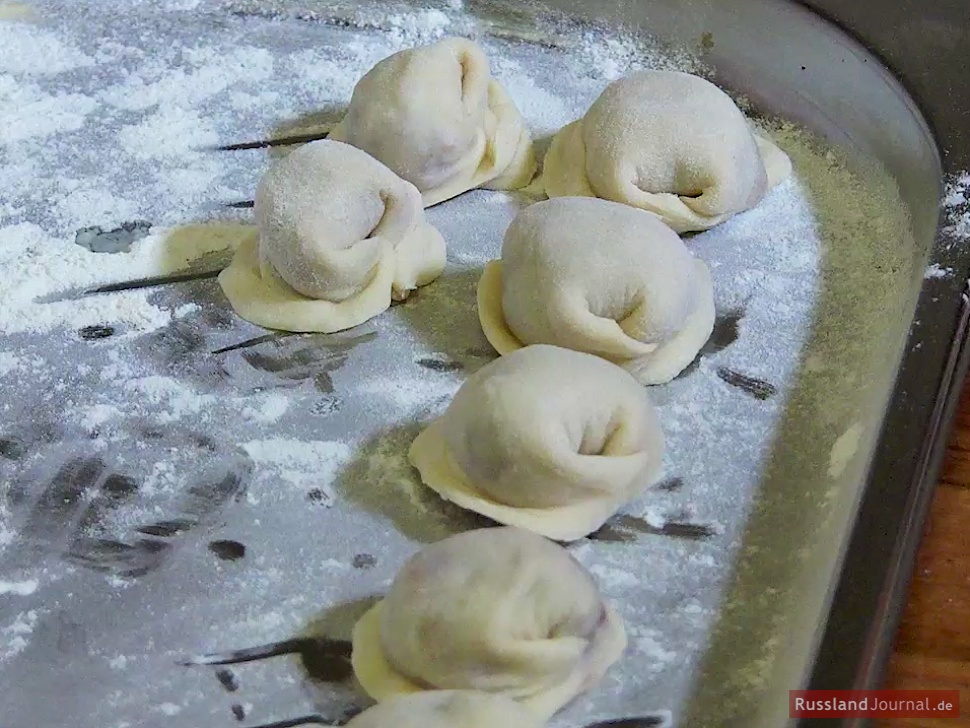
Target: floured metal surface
[[176, 481]]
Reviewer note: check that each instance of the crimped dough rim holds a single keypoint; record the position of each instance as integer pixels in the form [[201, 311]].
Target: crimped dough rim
[[380, 680]]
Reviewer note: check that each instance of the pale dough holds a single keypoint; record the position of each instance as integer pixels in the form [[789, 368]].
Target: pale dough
[[547, 439], [339, 236], [670, 143], [600, 277], [447, 709], [436, 117], [499, 610]]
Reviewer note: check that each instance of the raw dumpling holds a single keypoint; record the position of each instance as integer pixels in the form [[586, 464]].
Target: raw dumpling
[[599, 277], [667, 142], [547, 439], [437, 118], [339, 236], [447, 709], [499, 610]]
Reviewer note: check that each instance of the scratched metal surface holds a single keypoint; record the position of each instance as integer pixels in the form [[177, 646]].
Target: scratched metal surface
[[164, 532]]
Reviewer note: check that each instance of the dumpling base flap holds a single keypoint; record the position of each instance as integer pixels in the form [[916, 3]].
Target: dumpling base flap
[[381, 681], [268, 301], [429, 454], [564, 175], [659, 366]]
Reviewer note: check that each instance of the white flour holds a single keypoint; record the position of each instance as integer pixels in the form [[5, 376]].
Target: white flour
[[956, 207], [299, 465]]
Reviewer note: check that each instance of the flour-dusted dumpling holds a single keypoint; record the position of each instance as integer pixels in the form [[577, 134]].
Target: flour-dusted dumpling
[[670, 143], [339, 236], [550, 440], [599, 277], [437, 118], [447, 709], [499, 610]]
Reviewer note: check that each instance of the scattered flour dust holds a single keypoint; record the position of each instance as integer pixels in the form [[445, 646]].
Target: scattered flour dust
[[937, 271], [18, 588], [27, 112], [36, 267], [421, 26], [650, 642], [266, 409], [168, 134], [171, 399], [14, 637], [25, 45], [612, 56], [300, 464], [956, 208]]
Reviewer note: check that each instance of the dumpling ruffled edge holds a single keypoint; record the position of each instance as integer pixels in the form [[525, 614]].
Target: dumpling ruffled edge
[[658, 367], [564, 175], [429, 454], [380, 680]]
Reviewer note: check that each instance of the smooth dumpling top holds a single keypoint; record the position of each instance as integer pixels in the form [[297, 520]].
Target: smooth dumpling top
[[436, 117], [499, 610], [670, 143], [447, 709], [339, 235], [599, 277], [550, 440]]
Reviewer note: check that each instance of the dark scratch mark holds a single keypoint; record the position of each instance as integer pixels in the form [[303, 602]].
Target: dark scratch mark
[[241, 204], [670, 484], [278, 142], [727, 328], [165, 529], [296, 645], [228, 550], [646, 721], [92, 333], [291, 722], [726, 332], [227, 678], [757, 388], [12, 449], [256, 341], [153, 281], [440, 365], [624, 528]]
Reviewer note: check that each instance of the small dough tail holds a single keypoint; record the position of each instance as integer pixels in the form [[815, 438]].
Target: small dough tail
[[777, 164]]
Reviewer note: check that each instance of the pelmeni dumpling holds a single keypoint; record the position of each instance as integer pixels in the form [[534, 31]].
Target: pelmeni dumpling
[[550, 440], [447, 709], [499, 610], [437, 118], [670, 143], [599, 277], [339, 236]]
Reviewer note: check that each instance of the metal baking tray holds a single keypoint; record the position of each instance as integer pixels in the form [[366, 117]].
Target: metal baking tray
[[192, 484]]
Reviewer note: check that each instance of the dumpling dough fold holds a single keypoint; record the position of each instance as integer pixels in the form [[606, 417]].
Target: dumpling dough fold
[[447, 709], [667, 142], [339, 236], [436, 117], [599, 277], [547, 439], [499, 610]]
